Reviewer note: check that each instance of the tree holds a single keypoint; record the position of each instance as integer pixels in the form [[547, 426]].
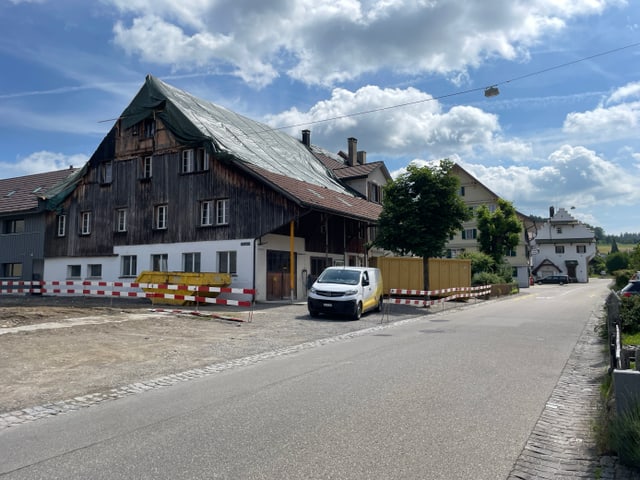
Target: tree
[[614, 246], [498, 232], [420, 211]]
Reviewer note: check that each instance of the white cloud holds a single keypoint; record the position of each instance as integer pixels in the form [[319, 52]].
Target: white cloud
[[401, 122], [41, 162], [571, 176], [330, 41], [628, 91]]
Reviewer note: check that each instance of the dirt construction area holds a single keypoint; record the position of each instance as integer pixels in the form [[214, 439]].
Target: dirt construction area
[[57, 348]]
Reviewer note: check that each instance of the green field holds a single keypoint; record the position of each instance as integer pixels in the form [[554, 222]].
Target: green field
[[605, 248]]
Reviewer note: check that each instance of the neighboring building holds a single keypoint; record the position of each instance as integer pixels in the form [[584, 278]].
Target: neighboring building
[[474, 194], [369, 179], [22, 222], [563, 245], [181, 184]]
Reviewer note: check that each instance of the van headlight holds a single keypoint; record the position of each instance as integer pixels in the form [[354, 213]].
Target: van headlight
[[351, 292], [312, 290]]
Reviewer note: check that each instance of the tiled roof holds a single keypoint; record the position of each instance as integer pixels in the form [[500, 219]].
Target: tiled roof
[[21, 194], [322, 198], [344, 171]]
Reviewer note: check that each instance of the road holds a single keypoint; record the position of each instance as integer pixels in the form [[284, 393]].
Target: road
[[451, 396]]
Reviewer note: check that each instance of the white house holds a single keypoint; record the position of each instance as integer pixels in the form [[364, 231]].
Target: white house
[[563, 245]]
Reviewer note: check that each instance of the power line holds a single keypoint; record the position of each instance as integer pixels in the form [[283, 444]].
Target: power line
[[462, 92]]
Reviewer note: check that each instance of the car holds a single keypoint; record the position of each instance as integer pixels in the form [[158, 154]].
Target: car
[[346, 291], [557, 279], [632, 288]]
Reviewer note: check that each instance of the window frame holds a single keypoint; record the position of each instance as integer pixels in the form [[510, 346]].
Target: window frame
[[61, 225], [206, 218], [91, 273], [160, 260], [146, 165], [222, 211], [12, 270], [129, 266], [121, 220], [74, 271], [192, 262], [559, 249], [228, 258], [160, 217], [85, 222]]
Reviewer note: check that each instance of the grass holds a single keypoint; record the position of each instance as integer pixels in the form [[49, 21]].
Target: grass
[[605, 248], [625, 434], [628, 339]]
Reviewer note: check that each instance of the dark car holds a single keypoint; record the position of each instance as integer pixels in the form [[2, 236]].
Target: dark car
[[557, 279], [632, 288]]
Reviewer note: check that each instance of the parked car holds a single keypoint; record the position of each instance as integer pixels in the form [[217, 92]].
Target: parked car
[[346, 291], [558, 279], [632, 288]]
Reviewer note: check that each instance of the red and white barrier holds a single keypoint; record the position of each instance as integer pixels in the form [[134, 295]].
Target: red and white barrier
[[39, 287], [458, 292]]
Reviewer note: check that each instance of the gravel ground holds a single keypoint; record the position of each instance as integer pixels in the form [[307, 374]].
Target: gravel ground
[[57, 348]]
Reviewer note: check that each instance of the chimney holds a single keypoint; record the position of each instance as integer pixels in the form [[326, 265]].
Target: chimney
[[306, 138], [362, 157], [353, 144]]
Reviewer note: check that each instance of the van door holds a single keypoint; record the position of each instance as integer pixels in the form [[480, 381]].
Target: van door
[[368, 291]]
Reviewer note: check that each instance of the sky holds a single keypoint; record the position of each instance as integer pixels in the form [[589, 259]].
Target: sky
[[405, 77]]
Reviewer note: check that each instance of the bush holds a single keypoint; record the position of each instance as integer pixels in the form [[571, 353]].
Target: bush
[[622, 277], [630, 314], [486, 278], [625, 434]]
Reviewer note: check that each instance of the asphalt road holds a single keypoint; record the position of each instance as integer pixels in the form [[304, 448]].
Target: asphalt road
[[451, 396]]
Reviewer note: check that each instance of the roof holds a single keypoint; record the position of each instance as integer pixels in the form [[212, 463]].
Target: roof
[[344, 171], [194, 121], [322, 198], [22, 194]]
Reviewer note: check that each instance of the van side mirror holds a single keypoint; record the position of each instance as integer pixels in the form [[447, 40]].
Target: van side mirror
[[365, 282]]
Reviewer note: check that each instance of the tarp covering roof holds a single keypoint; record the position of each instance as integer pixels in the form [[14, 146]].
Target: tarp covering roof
[[194, 121]]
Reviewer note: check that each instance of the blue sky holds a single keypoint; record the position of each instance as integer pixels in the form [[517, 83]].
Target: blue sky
[[564, 137]]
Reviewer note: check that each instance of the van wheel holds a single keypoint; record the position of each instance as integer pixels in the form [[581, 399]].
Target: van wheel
[[379, 307], [358, 313]]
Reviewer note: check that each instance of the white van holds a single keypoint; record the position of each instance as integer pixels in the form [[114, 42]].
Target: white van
[[346, 291]]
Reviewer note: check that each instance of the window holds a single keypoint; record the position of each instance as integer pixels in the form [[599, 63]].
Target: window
[[149, 127], [74, 271], [128, 266], [512, 253], [85, 223], [12, 270], [374, 192], [194, 160], [160, 217], [106, 173], [94, 270], [469, 234], [206, 213], [121, 220], [159, 262], [187, 161], [581, 249], [559, 248], [227, 262], [146, 167], [61, 225], [222, 211], [559, 230], [191, 262], [462, 192], [14, 226]]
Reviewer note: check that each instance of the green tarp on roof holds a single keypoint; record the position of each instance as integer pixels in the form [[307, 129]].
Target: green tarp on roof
[[194, 121]]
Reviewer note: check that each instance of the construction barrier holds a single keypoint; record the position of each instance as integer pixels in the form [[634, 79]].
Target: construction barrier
[[52, 287], [407, 297]]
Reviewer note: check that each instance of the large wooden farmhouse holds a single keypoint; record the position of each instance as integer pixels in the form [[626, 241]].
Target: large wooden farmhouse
[[181, 184]]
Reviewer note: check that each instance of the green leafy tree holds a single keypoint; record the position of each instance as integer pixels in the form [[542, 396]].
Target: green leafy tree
[[498, 232], [420, 211], [617, 261], [614, 246], [634, 258], [480, 262]]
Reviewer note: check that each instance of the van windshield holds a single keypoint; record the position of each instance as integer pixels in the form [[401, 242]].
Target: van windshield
[[346, 277]]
